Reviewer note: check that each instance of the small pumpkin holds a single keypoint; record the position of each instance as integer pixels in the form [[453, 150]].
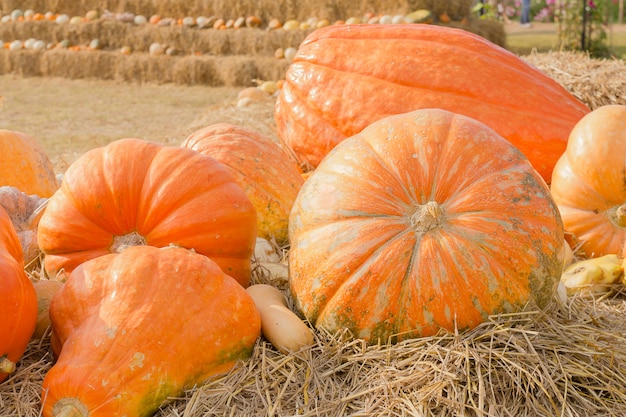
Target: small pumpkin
[[25, 165], [589, 182], [133, 192], [133, 329], [268, 174], [424, 221], [345, 77], [18, 301]]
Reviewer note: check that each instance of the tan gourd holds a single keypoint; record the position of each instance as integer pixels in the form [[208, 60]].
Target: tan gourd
[[279, 325], [593, 275]]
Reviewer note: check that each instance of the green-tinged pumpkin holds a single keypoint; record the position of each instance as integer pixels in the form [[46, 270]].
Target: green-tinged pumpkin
[[424, 221], [133, 191], [268, 174], [132, 330], [589, 182], [344, 77], [18, 301], [25, 165]]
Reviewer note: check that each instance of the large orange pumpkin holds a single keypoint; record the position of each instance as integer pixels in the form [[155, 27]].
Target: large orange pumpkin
[[424, 221], [133, 329], [25, 165], [18, 300], [345, 77], [268, 174], [589, 182], [133, 191]]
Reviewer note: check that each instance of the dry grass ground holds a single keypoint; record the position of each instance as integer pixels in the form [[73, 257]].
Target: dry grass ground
[[69, 117]]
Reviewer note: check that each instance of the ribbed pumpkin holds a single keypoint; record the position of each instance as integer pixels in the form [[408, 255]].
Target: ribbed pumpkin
[[133, 329], [589, 182], [345, 77], [18, 301], [25, 165], [134, 191], [269, 175], [424, 221]]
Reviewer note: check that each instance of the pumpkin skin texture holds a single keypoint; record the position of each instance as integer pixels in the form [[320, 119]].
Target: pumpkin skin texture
[[25, 165], [589, 182], [270, 177], [344, 77], [133, 191], [424, 221], [131, 329], [18, 301]]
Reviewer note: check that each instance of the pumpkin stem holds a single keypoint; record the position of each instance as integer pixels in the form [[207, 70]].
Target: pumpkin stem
[[6, 365], [427, 217], [69, 407], [620, 216], [130, 239], [33, 219]]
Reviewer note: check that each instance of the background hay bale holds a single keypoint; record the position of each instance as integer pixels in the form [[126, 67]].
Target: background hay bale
[[213, 57], [143, 68], [231, 9], [114, 34], [595, 82]]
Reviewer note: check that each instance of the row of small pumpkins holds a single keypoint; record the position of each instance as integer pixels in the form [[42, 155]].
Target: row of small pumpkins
[[411, 191]]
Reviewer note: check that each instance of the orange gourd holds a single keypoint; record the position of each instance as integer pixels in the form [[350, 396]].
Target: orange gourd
[[589, 182], [25, 165], [424, 221], [133, 191], [18, 301], [269, 175], [134, 329], [345, 77]]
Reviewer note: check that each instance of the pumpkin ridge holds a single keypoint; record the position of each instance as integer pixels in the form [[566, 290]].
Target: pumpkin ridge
[[478, 103], [516, 72], [617, 215], [391, 238]]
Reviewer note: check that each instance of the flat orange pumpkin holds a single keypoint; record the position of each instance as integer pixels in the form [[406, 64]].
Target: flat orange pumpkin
[[424, 221], [134, 192]]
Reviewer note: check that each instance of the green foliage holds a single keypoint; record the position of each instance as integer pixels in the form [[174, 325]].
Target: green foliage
[[582, 26]]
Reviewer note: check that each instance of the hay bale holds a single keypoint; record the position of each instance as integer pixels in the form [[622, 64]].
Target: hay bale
[[143, 68], [231, 9], [595, 82], [114, 34]]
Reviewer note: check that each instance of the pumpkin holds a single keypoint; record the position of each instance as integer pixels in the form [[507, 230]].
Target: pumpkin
[[269, 175], [18, 301], [343, 78], [589, 182], [25, 212], [25, 165], [424, 221], [133, 191], [132, 329]]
